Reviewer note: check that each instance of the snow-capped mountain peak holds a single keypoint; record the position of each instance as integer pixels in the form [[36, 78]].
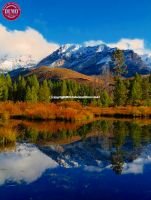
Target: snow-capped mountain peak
[[89, 60], [8, 63], [92, 60], [69, 48]]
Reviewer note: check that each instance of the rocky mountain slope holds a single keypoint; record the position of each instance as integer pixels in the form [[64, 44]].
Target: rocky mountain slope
[[93, 60]]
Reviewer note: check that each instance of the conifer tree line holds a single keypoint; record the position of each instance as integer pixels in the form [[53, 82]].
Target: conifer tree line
[[30, 89], [135, 91]]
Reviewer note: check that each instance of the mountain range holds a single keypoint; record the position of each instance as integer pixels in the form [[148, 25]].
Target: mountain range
[[94, 60], [88, 60]]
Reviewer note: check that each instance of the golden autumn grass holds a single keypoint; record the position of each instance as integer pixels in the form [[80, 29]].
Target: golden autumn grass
[[71, 111], [48, 73], [67, 111], [8, 133], [121, 111]]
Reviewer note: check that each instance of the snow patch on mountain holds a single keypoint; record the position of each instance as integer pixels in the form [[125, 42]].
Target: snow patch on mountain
[[147, 59], [92, 60], [105, 60], [8, 63]]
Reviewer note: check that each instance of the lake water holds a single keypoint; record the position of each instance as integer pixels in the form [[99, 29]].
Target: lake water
[[105, 159]]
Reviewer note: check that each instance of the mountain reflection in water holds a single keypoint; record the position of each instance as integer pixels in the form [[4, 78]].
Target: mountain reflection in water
[[60, 154]]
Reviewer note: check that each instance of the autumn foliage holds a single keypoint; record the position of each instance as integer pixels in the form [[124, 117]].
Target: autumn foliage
[[46, 111], [67, 111]]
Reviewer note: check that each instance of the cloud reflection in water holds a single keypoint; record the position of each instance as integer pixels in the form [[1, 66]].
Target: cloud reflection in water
[[26, 164]]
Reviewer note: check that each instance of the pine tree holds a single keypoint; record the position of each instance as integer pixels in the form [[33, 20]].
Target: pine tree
[[31, 94], [8, 80], [138, 77], [50, 85], [105, 99], [118, 62], [64, 88], [14, 91], [70, 93], [5, 93], [34, 94], [33, 82], [120, 92], [135, 93], [21, 88], [3, 88], [44, 92], [28, 96], [9, 86], [145, 90]]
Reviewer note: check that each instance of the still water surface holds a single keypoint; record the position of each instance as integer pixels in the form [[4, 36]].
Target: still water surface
[[105, 159]]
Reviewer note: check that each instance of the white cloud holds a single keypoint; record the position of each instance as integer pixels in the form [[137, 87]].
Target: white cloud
[[138, 45], [26, 42], [92, 43], [16, 43]]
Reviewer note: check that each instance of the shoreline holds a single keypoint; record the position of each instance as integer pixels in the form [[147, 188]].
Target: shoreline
[[69, 111]]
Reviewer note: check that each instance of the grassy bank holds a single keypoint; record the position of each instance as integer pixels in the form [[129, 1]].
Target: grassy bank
[[68, 111], [121, 111]]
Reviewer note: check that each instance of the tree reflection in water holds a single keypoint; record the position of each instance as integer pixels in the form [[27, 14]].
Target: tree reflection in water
[[104, 141]]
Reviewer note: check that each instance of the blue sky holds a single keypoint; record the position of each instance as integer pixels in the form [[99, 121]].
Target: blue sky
[[76, 21]]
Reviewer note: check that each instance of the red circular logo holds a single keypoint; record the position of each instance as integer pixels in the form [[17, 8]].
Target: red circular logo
[[11, 11]]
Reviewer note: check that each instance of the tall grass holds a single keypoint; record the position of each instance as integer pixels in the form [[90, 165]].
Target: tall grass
[[7, 135], [67, 111]]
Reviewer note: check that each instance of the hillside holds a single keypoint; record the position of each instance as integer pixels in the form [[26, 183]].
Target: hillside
[[56, 74]]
